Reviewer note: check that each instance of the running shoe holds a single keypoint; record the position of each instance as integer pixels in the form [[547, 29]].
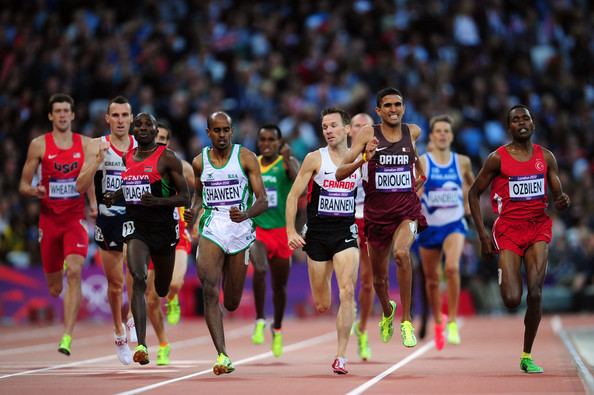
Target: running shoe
[[387, 324], [122, 350], [132, 330], [363, 341], [141, 355], [163, 355], [439, 337], [408, 334], [173, 311], [453, 335], [64, 346], [339, 366], [258, 334], [528, 366], [277, 343], [223, 365]]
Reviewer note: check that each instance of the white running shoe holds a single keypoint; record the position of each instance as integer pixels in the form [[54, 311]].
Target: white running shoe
[[122, 350], [132, 330]]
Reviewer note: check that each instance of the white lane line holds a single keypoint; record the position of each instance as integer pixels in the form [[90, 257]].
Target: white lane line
[[411, 357], [293, 347], [235, 333], [583, 370]]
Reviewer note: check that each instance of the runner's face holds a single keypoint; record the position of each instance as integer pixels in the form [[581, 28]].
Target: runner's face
[[335, 132], [162, 137], [521, 125], [441, 135], [220, 132], [268, 143], [144, 130], [391, 110], [119, 118], [61, 116]]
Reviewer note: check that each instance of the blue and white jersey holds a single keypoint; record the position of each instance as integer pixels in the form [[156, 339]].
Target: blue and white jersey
[[443, 199]]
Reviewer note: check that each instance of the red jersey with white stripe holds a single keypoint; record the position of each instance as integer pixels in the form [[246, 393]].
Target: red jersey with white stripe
[[59, 170], [520, 189]]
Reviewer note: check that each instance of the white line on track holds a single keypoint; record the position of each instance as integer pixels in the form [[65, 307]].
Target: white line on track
[[583, 370], [293, 347], [411, 357], [233, 334]]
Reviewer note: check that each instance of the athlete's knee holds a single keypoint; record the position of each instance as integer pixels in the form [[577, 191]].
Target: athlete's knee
[[402, 256], [162, 289], [431, 281], [210, 293], [232, 302], [534, 296], [152, 300], [380, 282], [366, 287], [322, 307], [511, 299], [55, 289], [452, 271], [347, 292]]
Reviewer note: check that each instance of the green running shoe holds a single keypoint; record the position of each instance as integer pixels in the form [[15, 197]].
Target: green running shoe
[[277, 343], [258, 334], [223, 365], [65, 343], [141, 355], [528, 366], [408, 334], [163, 355], [387, 324], [173, 311], [453, 335], [363, 341]]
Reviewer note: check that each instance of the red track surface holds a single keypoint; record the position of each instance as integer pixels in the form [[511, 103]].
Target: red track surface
[[487, 361]]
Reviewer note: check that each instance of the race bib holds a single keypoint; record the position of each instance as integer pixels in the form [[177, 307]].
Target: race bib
[[443, 198], [526, 187], [221, 193], [127, 228], [112, 180], [134, 188], [63, 188], [393, 179], [272, 196], [336, 204]]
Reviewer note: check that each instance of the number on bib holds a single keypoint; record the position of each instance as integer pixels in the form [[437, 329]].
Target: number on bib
[[127, 228]]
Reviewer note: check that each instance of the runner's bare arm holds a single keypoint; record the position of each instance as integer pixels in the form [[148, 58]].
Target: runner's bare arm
[[352, 161], [490, 170], [561, 199], [250, 164], [309, 168], [94, 154], [191, 215], [467, 179], [290, 163], [170, 165], [34, 157]]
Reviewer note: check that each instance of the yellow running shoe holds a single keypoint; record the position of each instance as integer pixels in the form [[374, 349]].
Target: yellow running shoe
[[277, 343], [387, 324], [363, 342], [163, 355], [65, 343], [141, 355], [408, 334], [223, 365], [528, 366], [453, 335], [258, 334], [173, 311]]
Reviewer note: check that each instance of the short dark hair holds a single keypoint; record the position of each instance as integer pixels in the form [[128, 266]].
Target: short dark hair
[[439, 118], [346, 118], [117, 100], [146, 114], [164, 124], [60, 98], [386, 92], [515, 108], [271, 126]]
